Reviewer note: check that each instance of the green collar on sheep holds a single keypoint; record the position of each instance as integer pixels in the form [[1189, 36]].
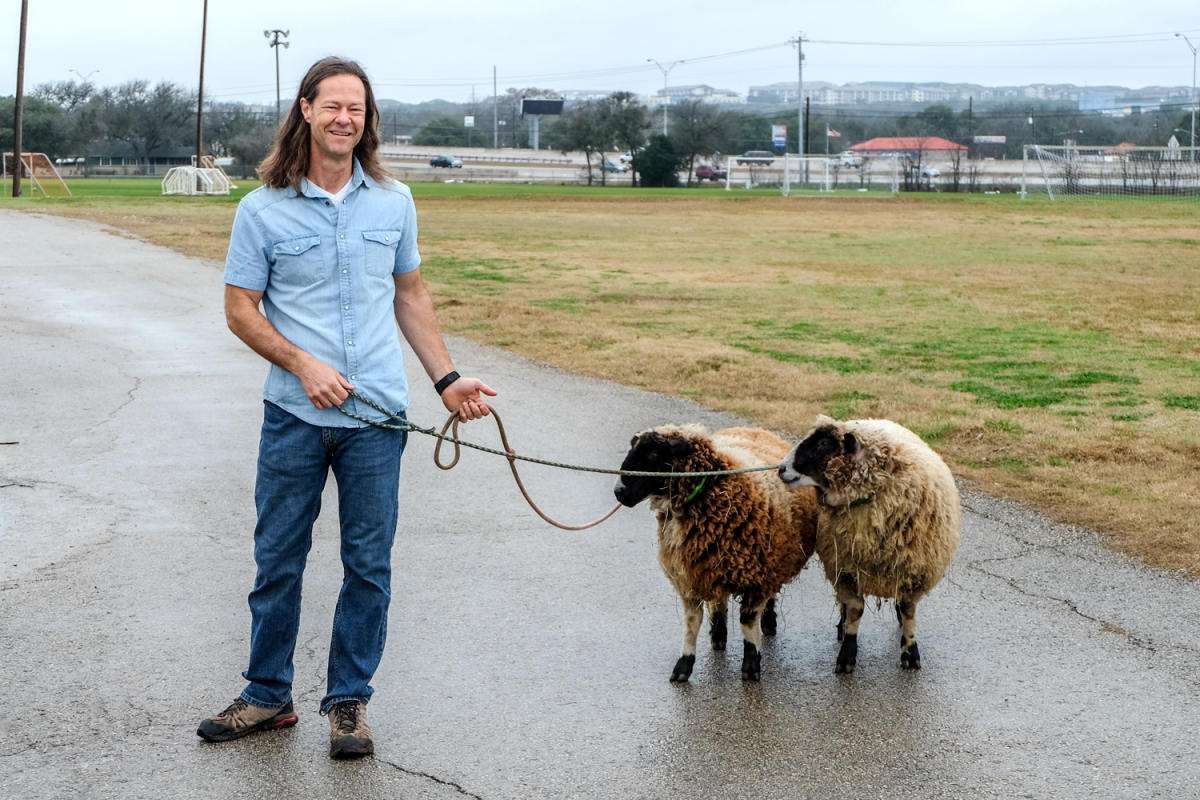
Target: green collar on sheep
[[862, 501], [696, 491]]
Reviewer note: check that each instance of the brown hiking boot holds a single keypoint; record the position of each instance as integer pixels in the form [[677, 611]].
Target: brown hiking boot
[[242, 718], [349, 736]]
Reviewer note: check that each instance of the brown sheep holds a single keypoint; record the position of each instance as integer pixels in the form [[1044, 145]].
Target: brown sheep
[[889, 523], [745, 535]]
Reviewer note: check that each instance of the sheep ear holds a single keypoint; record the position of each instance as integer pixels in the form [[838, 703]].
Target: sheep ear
[[680, 447], [850, 444]]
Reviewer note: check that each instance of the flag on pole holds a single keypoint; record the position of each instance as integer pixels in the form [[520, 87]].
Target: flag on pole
[[831, 132]]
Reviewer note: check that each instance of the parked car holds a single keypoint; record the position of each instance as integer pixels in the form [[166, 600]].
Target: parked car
[[445, 161], [706, 173], [609, 166], [929, 172], [756, 157], [849, 158]]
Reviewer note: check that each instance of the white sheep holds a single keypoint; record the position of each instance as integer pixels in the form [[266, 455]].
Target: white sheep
[[745, 535], [889, 520]]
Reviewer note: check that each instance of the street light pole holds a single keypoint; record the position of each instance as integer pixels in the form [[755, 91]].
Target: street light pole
[[276, 43], [666, 100], [1192, 47]]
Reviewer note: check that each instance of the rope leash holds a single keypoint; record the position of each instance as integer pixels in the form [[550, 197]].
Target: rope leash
[[511, 456]]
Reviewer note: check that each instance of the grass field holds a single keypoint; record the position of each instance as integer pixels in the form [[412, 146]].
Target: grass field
[[1050, 351]]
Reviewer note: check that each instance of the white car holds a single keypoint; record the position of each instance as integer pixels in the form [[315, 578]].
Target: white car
[[929, 172], [850, 159]]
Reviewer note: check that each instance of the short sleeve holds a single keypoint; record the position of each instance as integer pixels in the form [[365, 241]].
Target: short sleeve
[[246, 264], [407, 257]]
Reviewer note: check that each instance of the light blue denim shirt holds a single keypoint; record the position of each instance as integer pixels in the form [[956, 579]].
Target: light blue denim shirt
[[326, 276]]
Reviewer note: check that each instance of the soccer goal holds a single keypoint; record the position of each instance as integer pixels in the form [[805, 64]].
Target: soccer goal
[[41, 173], [208, 178], [1122, 171], [785, 172]]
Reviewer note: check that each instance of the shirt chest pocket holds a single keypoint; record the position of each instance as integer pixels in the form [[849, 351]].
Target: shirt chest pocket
[[299, 261], [380, 255]]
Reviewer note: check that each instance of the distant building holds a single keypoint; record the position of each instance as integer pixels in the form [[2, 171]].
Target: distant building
[[1097, 101], [673, 95]]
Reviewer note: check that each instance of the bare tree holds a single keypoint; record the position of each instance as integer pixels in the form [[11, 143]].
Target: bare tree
[[627, 120], [583, 129], [699, 129], [149, 117]]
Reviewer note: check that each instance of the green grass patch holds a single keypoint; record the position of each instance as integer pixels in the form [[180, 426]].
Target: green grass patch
[[1191, 402]]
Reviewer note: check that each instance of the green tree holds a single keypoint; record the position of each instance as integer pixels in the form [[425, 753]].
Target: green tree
[[657, 163], [43, 128]]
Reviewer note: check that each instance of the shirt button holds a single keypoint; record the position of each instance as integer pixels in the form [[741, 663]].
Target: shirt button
[[343, 236], [352, 377], [386, 238], [297, 249], [343, 272], [349, 341], [347, 308]]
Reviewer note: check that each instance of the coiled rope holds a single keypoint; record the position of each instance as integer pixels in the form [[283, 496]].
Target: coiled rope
[[511, 455]]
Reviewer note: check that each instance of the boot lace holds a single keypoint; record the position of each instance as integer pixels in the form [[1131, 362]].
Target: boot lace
[[345, 717]]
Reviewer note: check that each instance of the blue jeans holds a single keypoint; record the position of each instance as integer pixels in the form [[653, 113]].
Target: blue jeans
[[294, 459]]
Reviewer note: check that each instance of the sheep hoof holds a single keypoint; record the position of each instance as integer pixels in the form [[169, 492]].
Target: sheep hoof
[[751, 662], [683, 669], [848, 655], [910, 657], [718, 632], [769, 623]]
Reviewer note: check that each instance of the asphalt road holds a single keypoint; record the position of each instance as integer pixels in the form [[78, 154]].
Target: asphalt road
[[523, 662]]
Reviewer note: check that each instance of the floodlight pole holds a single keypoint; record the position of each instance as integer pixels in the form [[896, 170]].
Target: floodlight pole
[[18, 165], [200, 96], [495, 113], [1193, 49], [277, 43], [666, 100]]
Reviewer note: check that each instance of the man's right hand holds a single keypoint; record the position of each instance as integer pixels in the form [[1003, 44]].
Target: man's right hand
[[323, 384]]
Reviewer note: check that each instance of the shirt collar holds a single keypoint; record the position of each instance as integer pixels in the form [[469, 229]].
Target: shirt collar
[[357, 177]]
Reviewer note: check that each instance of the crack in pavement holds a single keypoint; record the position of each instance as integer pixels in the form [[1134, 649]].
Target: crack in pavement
[[427, 776]]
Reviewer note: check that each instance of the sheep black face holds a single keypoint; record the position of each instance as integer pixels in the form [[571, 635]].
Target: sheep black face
[[808, 463], [649, 451]]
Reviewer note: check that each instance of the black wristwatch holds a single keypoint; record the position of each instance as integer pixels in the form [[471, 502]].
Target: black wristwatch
[[445, 382]]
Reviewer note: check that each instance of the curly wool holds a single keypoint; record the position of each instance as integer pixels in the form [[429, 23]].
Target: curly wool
[[741, 534]]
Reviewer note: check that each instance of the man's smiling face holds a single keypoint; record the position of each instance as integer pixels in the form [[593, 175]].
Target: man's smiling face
[[337, 116]]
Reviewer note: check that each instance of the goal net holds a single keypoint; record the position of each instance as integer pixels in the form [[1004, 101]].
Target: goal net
[[41, 173], [812, 173], [209, 178], [1121, 171]]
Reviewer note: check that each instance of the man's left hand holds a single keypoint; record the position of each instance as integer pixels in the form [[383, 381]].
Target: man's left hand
[[464, 396]]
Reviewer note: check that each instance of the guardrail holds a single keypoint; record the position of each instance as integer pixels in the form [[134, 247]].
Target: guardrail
[[479, 159]]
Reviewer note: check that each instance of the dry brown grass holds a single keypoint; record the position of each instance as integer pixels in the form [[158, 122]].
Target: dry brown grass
[[1051, 352]]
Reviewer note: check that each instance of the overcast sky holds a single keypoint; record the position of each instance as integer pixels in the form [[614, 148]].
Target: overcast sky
[[423, 51]]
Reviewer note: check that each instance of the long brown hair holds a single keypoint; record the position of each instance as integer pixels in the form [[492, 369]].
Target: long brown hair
[[288, 160]]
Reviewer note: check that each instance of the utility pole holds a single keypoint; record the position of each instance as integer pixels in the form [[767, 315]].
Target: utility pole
[[18, 165], [1193, 49], [276, 43], [200, 99], [666, 100], [495, 112], [799, 42]]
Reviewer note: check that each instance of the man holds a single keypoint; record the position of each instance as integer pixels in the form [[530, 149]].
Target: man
[[329, 245]]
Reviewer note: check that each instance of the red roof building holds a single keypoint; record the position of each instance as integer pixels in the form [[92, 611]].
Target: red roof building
[[906, 146]]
